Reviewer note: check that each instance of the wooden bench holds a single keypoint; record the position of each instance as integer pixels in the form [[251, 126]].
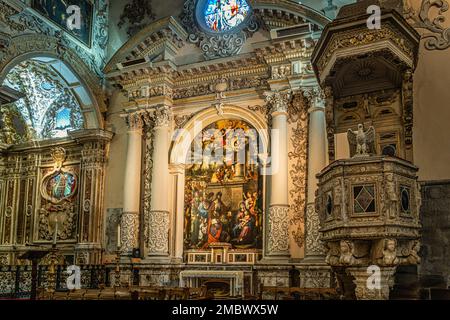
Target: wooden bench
[[280, 293]]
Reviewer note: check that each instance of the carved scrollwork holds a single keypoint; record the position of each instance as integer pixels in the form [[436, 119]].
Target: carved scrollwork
[[65, 214], [439, 38], [278, 229], [129, 231], [298, 116], [216, 45], [313, 242], [158, 233]]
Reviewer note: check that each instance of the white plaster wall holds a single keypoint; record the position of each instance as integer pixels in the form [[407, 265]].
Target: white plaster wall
[[117, 155], [432, 115]]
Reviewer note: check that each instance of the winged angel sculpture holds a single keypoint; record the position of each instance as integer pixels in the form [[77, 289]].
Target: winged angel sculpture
[[362, 143]]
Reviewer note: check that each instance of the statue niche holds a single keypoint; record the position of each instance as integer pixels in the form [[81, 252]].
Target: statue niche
[[223, 199]]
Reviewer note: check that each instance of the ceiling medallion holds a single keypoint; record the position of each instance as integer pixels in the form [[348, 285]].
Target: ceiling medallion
[[364, 70], [219, 27]]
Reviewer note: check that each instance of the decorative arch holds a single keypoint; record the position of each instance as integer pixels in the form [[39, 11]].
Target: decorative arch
[[30, 46], [182, 142]]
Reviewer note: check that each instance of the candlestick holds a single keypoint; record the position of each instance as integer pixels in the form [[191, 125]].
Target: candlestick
[[56, 233], [118, 236]]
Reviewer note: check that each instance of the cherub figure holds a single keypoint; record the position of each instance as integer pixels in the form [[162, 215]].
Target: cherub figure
[[390, 253], [346, 251]]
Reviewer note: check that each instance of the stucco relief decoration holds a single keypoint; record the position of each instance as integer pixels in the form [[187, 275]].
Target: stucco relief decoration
[[25, 21], [158, 235], [298, 117], [58, 191], [49, 109], [428, 18], [278, 223], [219, 28], [148, 167], [138, 13], [278, 101]]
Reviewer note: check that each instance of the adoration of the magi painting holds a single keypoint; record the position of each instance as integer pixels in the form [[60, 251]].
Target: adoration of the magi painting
[[223, 201]]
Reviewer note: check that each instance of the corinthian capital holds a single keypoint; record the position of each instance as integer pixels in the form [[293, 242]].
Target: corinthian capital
[[278, 101], [162, 116], [134, 121]]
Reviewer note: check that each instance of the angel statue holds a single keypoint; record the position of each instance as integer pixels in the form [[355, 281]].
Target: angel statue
[[362, 143]]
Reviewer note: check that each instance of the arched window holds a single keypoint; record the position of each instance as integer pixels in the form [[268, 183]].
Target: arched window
[[48, 110]]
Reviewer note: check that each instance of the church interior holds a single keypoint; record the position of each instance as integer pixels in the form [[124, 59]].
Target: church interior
[[224, 149]]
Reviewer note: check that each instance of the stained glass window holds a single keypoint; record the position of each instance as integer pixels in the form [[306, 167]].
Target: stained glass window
[[61, 186], [49, 108], [224, 15]]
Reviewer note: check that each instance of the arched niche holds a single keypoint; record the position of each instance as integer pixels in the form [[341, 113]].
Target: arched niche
[[185, 136], [84, 84], [182, 144]]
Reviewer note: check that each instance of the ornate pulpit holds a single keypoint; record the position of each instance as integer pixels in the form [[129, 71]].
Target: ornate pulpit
[[369, 213]]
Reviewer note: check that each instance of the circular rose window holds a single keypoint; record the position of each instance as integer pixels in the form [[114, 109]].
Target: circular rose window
[[225, 15]]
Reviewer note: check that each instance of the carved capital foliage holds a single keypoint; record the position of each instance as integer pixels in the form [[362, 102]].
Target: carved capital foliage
[[278, 230], [278, 101], [162, 116], [135, 121], [150, 118]]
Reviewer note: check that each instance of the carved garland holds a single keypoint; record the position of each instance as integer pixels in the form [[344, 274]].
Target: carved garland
[[147, 187], [298, 115]]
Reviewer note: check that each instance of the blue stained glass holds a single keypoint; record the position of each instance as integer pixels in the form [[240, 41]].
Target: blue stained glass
[[62, 185], [224, 15], [63, 119], [50, 109]]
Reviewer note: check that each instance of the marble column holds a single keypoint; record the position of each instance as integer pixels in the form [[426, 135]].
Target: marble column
[[158, 217], [317, 160], [178, 172], [277, 235], [129, 231]]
